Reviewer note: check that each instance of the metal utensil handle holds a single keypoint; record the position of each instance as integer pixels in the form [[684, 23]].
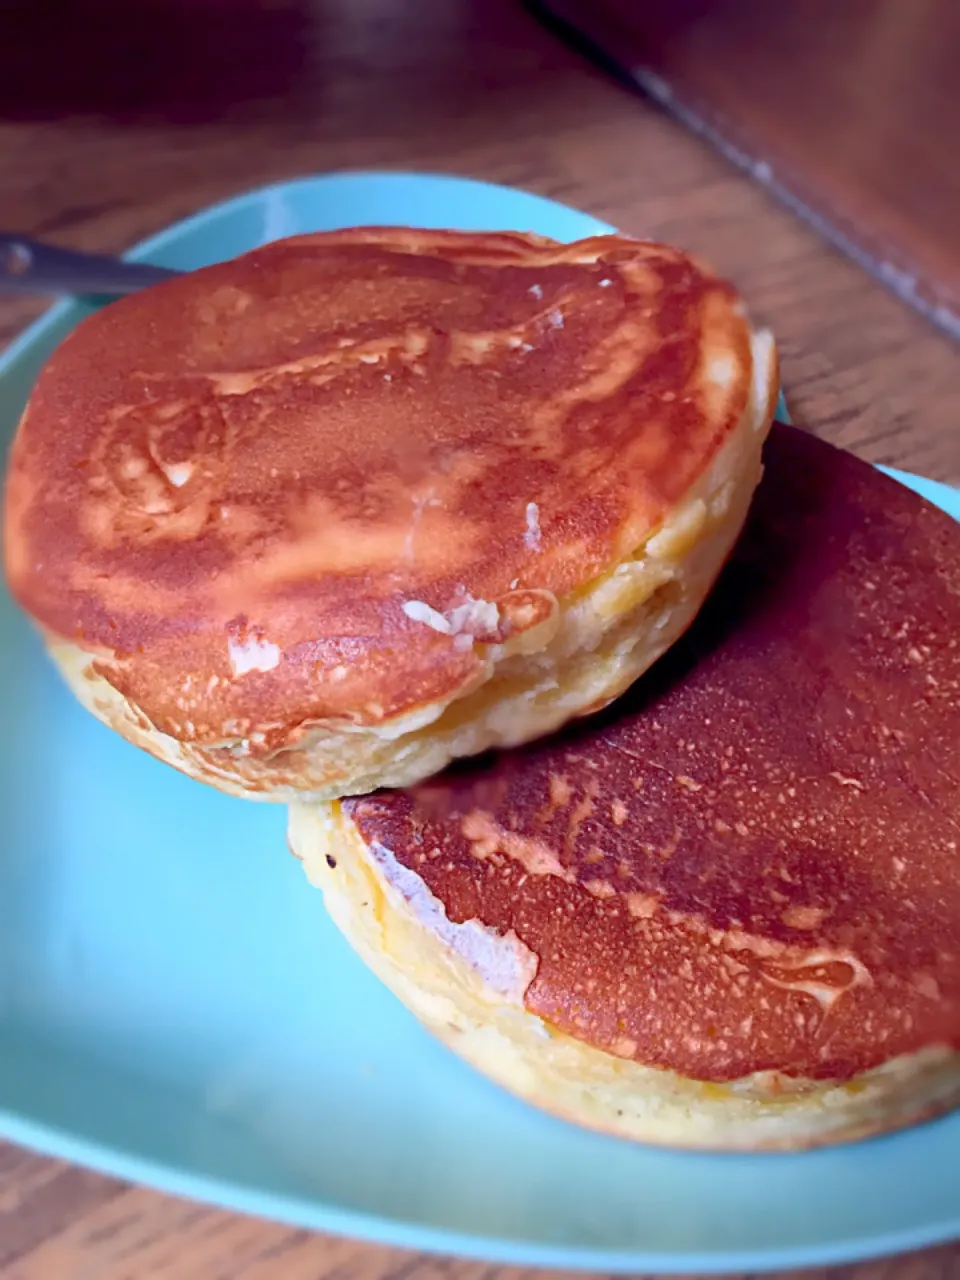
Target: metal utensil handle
[[29, 266]]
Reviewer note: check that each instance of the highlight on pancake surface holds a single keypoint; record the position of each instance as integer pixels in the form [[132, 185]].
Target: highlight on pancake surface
[[355, 504], [725, 914]]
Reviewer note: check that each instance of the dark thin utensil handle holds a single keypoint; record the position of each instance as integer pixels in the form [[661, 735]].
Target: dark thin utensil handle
[[29, 266]]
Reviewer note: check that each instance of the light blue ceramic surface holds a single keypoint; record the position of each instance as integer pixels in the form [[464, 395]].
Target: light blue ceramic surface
[[175, 1007]]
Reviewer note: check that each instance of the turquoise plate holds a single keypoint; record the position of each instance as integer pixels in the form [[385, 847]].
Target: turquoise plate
[[176, 1009]]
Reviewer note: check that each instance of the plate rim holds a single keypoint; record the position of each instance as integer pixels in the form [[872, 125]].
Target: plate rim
[[378, 1229], [319, 1214]]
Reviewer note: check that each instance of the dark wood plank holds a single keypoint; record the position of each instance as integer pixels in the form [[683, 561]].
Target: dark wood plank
[[848, 111]]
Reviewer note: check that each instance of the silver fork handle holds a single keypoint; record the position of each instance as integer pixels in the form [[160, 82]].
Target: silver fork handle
[[30, 266]]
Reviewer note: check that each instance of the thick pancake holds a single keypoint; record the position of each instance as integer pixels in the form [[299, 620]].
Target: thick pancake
[[318, 485], [747, 874]]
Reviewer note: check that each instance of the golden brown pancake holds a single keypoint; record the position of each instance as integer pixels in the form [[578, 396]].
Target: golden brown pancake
[[726, 913], [338, 511]]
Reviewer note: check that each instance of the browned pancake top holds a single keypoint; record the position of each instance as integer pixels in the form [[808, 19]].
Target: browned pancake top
[[245, 474], [753, 862]]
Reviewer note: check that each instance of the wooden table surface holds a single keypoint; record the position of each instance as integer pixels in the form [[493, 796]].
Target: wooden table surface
[[848, 110], [156, 109]]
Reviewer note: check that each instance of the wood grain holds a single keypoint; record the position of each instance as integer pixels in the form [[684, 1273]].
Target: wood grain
[[120, 118]]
